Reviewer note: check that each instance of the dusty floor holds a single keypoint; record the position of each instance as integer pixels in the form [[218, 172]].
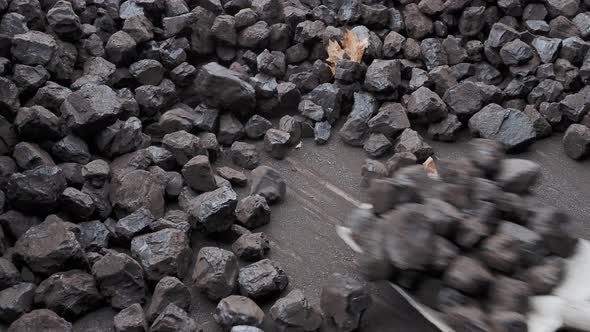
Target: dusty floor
[[322, 182]]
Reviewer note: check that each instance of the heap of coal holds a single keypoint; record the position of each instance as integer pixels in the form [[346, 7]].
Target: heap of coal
[[471, 241], [113, 115]]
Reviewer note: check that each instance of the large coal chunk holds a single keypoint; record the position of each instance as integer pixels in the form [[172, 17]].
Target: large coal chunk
[[64, 22], [137, 189], [426, 106], [50, 247], [244, 155], [183, 146], [198, 174], [137, 223], [168, 290], [40, 320], [510, 127], [94, 235], [410, 141], [162, 253], [70, 294], [212, 211], [390, 121], [383, 76], [91, 109], [261, 279], [343, 302], [223, 88], [37, 124], [130, 319], [174, 318], [121, 137], [37, 190], [16, 301], [216, 272], [9, 275], [253, 211], [251, 246], [238, 310], [33, 48], [120, 280], [294, 312], [268, 183], [576, 141]]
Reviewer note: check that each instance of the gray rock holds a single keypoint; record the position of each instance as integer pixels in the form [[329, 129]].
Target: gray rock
[[120, 280], [276, 143], [257, 126], [16, 301], [136, 189], [433, 53], [230, 129], [516, 52], [291, 126], [322, 132], [137, 223], [411, 141], [50, 247], [183, 146], [45, 318], [417, 24], [510, 127], [9, 275], [198, 174], [377, 145], [94, 235], [131, 319], [444, 130], [162, 253], [30, 156], [223, 88], [391, 120], [343, 301], [383, 76], [90, 109], [33, 48], [253, 211], [268, 183], [235, 177], [120, 48], [121, 137], [576, 141], [295, 312], [426, 106], [173, 318], [70, 294], [251, 246], [215, 272], [244, 155], [71, 149], [224, 29], [261, 279], [238, 310], [212, 211], [168, 290], [77, 203]]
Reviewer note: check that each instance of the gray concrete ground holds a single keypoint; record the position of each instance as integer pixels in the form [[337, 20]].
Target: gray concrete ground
[[322, 182]]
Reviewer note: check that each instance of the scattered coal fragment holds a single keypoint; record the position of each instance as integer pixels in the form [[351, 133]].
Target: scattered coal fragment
[[268, 183], [253, 211], [173, 318], [294, 312], [211, 211], [238, 310], [261, 279], [168, 290], [251, 246], [343, 301]]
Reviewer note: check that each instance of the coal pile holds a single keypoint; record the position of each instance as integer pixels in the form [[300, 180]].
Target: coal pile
[[470, 241], [114, 116]]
